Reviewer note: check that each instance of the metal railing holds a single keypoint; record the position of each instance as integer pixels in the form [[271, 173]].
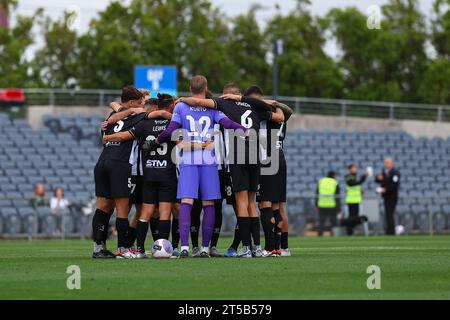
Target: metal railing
[[302, 105], [302, 213]]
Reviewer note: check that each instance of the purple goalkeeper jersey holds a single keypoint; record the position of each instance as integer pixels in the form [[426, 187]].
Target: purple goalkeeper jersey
[[197, 124]]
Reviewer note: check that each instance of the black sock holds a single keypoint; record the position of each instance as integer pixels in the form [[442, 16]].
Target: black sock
[[122, 225], [100, 223], [244, 230], [284, 240], [255, 229], [237, 238], [195, 222], [154, 228], [164, 229], [277, 230], [217, 224], [131, 236], [268, 228], [141, 234], [237, 235], [175, 233]]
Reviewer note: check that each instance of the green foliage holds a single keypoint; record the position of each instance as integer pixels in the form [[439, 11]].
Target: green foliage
[[441, 27], [394, 63], [54, 65], [14, 43], [382, 64], [435, 86], [247, 50]]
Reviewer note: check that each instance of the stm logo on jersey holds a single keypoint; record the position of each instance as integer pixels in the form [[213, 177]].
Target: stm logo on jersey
[[156, 163]]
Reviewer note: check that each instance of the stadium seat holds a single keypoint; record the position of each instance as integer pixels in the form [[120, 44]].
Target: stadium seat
[[47, 221], [54, 154], [11, 220], [29, 219], [439, 222], [423, 222], [18, 203], [408, 221]]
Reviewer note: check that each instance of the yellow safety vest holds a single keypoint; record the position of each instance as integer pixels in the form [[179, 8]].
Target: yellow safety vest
[[354, 194], [327, 193]]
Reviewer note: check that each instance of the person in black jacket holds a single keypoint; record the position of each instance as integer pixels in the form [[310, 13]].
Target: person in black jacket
[[389, 181]]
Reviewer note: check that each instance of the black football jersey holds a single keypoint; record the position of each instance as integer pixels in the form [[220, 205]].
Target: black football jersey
[[158, 166], [120, 151], [274, 134], [244, 112], [249, 113]]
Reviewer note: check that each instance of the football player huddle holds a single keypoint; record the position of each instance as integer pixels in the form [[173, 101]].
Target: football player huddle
[[174, 158]]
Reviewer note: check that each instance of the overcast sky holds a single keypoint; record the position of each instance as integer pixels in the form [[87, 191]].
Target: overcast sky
[[89, 8]]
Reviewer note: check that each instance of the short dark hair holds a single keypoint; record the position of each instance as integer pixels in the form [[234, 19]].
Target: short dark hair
[[209, 95], [331, 174], [351, 166], [232, 88], [198, 84], [131, 93], [253, 90], [164, 100]]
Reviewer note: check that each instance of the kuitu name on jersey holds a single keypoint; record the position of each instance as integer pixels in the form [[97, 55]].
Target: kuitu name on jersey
[[198, 109]]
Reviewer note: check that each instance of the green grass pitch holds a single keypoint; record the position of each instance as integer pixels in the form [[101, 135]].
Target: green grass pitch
[[412, 267]]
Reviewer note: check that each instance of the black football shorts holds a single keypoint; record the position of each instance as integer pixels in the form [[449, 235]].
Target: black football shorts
[[112, 179], [154, 192], [273, 187], [136, 190], [245, 177]]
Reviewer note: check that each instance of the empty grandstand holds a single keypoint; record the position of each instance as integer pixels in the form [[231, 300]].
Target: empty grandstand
[[64, 150]]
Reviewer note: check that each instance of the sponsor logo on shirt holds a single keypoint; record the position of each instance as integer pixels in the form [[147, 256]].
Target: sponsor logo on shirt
[[156, 164]]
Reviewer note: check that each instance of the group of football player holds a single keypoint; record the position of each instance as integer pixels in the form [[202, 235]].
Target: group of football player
[[173, 158]]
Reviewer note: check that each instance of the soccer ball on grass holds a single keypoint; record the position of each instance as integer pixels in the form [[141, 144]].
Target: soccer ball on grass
[[162, 249]]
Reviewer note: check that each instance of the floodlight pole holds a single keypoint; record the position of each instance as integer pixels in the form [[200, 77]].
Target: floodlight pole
[[277, 51]]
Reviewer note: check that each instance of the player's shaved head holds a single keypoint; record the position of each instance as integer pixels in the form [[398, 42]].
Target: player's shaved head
[[231, 88], [199, 84]]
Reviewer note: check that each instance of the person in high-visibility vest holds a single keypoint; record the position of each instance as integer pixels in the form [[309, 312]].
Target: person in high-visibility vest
[[328, 201], [354, 197]]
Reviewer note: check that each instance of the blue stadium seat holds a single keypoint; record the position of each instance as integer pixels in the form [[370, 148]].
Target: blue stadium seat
[[4, 180], [76, 187], [28, 218], [8, 187], [439, 222], [5, 203], [47, 220], [422, 221], [18, 203], [408, 221], [68, 224]]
